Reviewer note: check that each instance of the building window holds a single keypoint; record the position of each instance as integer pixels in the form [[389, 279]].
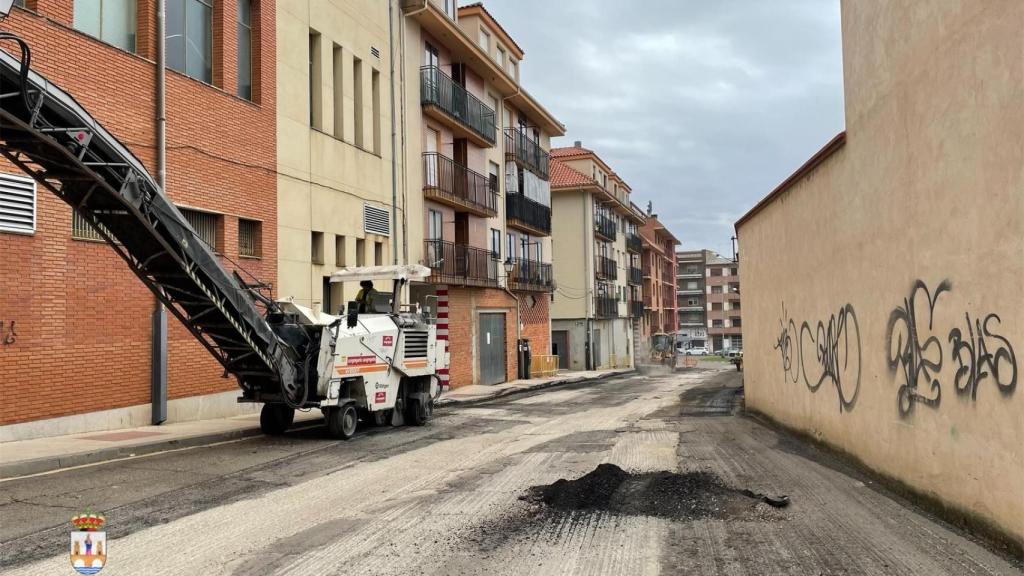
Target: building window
[[485, 41], [449, 8], [190, 38], [378, 253], [736, 322], [510, 246], [17, 204], [249, 238], [81, 229], [716, 306], [245, 49], [717, 324], [357, 100], [495, 243], [19, 3], [513, 67], [316, 247], [375, 102], [360, 252], [339, 251], [435, 230], [112, 21], [338, 71], [315, 95], [207, 226], [716, 289], [499, 57]]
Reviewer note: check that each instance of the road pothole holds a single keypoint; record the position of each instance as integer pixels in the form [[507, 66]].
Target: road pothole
[[670, 495]]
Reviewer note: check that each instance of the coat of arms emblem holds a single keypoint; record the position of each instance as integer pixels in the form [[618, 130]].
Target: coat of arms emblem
[[88, 543]]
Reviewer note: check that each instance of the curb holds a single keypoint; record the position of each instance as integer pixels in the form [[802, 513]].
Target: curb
[[515, 391], [52, 463]]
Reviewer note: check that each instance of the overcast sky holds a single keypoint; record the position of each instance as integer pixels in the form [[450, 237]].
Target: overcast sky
[[702, 106]]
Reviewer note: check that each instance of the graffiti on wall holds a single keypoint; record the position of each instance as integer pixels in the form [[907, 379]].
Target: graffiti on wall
[[915, 351], [828, 351], [8, 333]]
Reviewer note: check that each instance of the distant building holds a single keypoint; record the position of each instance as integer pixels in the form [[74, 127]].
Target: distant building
[[708, 296], [690, 299], [659, 278], [593, 246], [722, 289]]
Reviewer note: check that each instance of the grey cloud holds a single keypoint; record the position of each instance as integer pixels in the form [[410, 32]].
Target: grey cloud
[[702, 107]]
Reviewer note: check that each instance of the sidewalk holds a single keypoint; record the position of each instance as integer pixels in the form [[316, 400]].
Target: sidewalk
[[25, 457]]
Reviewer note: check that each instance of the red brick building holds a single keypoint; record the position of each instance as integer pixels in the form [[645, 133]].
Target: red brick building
[[81, 320], [658, 262]]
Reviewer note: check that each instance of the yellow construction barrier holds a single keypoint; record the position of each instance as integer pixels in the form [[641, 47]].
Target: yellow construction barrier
[[543, 366]]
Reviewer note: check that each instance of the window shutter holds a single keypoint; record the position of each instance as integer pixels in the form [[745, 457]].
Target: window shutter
[[376, 220], [17, 204]]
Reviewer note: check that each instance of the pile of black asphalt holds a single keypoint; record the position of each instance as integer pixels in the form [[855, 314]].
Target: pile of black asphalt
[[670, 495]]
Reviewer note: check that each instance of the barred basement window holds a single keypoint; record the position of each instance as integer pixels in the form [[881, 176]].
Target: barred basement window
[[206, 225], [17, 204], [249, 238]]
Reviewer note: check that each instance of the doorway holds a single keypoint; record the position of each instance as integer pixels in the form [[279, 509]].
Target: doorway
[[560, 347], [492, 348]]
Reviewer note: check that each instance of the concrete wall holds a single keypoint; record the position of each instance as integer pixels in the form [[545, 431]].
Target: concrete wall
[[882, 292]]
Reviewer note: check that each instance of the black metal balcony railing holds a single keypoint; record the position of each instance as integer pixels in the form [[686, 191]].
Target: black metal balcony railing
[[438, 89], [459, 264], [606, 268], [633, 243], [606, 306], [526, 152], [636, 308], [448, 181], [528, 213], [605, 226], [636, 275], [530, 275]]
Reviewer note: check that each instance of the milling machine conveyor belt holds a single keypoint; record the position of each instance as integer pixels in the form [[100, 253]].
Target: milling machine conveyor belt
[[68, 152]]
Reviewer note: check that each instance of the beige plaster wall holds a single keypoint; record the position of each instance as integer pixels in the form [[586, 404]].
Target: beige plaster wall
[[929, 188], [324, 178]]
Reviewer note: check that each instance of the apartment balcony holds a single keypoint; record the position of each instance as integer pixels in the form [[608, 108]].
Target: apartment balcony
[[636, 308], [527, 215], [605, 227], [448, 102], [531, 276], [460, 265], [689, 291], [527, 153], [690, 275], [451, 183], [606, 307], [634, 243], [691, 323], [606, 268], [689, 308], [636, 275]]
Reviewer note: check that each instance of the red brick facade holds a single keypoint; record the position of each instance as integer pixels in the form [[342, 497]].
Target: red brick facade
[[463, 306], [82, 319], [536, 321]]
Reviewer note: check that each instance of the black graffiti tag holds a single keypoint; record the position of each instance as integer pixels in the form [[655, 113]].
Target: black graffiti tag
[[836, 350], [919, 360], [784, 344], [975, 361]]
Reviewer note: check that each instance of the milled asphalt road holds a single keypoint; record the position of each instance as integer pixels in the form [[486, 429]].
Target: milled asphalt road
[[449, 498]]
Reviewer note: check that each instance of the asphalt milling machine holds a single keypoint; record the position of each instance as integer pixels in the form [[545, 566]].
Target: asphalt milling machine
[[379, 366]]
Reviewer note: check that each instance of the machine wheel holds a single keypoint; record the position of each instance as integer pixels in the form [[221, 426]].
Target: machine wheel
[[398, 412], [341, 422], [276, 418], [419, 411]]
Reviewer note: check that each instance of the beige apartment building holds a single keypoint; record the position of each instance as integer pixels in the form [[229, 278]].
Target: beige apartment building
[[598, 288], [334, 155], [476, 187], [882, 307]]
